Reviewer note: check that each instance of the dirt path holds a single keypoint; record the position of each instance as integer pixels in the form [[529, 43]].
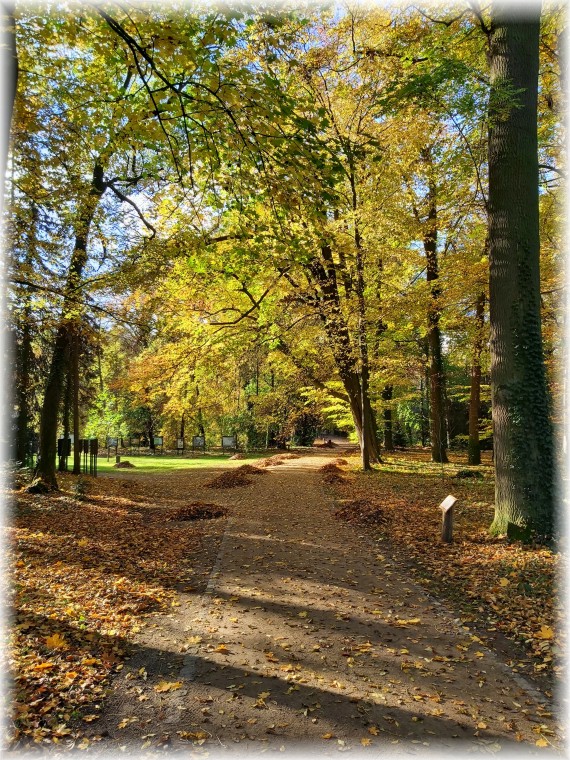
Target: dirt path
[[310, 632]]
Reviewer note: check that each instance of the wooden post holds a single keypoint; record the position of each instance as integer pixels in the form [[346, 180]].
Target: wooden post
[[446, 507]]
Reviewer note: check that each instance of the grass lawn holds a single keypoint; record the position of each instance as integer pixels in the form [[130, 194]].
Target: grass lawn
[[165, 463]]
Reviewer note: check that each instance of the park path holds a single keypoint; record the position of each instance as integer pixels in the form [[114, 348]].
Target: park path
[[310, 632]]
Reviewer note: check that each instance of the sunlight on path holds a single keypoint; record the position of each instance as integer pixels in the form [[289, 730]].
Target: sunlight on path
[[308, 632]]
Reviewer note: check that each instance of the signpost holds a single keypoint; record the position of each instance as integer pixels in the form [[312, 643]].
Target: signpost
[[89, 448], [63, 451], [229, 442], [180, 445], [446, 507], [198, 442], [159, 441]]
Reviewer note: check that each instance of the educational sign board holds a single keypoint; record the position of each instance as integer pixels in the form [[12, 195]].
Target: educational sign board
[[180, 444], [228, 441], [63, 447], [111, 443], [158, 440], [198, 442]]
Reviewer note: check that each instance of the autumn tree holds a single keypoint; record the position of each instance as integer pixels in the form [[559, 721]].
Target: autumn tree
[[524, 499]]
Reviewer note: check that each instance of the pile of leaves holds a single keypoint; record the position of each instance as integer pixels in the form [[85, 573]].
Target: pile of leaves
[[332, 474], [331, 467], [229, 479], [340, 461], [85, 575], [198, 510], [249, 469], [126, 465], [362, 511], [238, 456], [289, 455], [270, 461], [504, 586]]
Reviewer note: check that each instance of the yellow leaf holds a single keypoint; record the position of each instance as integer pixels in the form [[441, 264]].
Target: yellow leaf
[[545, 632], [373, 730], [264, 695], [168, 686], [194, 640], [327, 736], [541, 742], [56, 642], [366, 742], [303, 614], [410, 621], [504, 582], [44, 666], [481, 725], [222, 648]]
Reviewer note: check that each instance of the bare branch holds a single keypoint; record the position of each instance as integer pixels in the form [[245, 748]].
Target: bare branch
[[128, 200]]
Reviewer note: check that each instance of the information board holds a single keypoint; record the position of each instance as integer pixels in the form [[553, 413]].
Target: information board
[[228, 441]]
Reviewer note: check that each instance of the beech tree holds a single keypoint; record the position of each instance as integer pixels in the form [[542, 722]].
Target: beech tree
[[522, 429]]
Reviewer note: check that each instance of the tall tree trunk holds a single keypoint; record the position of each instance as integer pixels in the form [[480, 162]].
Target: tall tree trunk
[[474, 448], [23, 386], [45, 468], [150, 431], [75, 348], [436, 373], [24, 353], [388, 431], [10, 69], [366, 408], [424, 410], [336, 329], [182, 425], [522, 429], [66, 410]]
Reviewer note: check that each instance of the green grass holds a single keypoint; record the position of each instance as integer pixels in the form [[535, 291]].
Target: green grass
[[160, 463]]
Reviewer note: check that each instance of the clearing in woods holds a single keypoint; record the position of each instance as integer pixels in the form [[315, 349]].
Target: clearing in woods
[[291, 627]]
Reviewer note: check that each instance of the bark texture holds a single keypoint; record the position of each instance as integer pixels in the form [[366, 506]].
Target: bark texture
[[388, 427], [522, 431], [436, 373], [324, 273], [45, 468], [474, 447]]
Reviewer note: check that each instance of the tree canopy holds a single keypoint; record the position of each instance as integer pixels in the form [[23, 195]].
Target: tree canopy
[[264, 224]]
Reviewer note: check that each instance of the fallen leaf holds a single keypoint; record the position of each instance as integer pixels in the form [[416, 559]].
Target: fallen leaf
[[168, 686], [56, 642]]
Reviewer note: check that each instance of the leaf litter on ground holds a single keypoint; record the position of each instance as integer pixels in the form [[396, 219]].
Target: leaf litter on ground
[[85, 576], [503, 586]]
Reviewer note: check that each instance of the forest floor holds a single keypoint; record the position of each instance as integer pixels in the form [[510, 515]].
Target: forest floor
[[318, 612]]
